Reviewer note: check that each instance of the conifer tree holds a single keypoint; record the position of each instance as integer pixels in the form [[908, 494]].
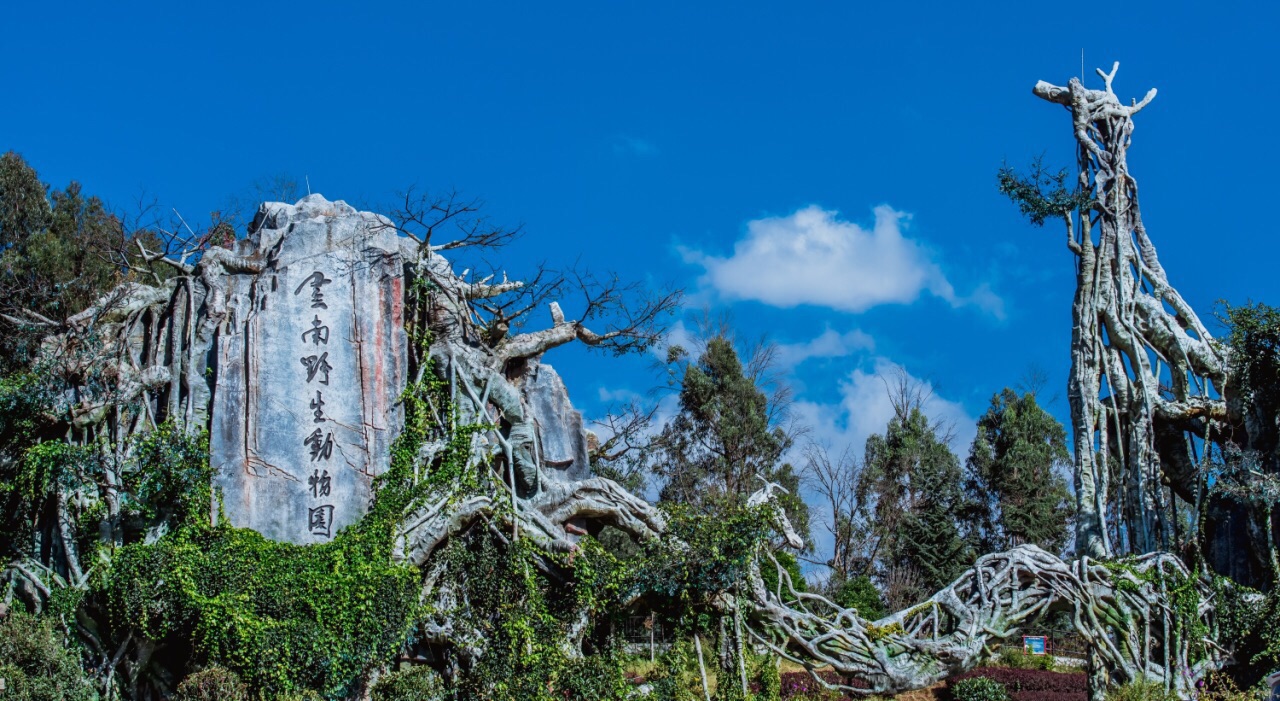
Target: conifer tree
[[1017, 495], [912, 492], [726, 438]]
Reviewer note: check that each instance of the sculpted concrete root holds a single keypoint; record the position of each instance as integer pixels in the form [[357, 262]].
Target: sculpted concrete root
[[1125, 614]]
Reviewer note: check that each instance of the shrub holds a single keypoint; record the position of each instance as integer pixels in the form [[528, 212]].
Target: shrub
[[861, 594], [413, 684], [770, 684], [1017, 659], [979, 689], [1141, 691], [35, 664], [1032, 684], [212, 684], [1220, 687], [593, 678]]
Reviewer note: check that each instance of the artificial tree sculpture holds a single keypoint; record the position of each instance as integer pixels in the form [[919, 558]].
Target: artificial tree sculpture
[[1145, 371]]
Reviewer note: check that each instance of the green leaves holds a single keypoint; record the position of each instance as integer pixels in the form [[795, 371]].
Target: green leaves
[[725, 437], [1016, 494], [284, 617], [911, 484], [36, 664], [1041, 194]]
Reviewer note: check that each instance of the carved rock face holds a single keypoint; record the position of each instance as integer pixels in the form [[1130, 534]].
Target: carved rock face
[[310, 361]]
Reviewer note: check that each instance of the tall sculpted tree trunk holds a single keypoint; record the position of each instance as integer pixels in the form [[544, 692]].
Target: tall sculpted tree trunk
[[1144, 370]]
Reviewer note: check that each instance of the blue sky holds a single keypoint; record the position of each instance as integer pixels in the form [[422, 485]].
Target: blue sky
[[823, 171]]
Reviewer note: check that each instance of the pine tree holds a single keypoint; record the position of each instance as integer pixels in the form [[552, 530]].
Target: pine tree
[[1017, 495], [911, 488], [60, 250], [726, 438]]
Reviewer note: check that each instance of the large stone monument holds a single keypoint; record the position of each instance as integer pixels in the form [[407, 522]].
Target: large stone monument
[[309, 362]]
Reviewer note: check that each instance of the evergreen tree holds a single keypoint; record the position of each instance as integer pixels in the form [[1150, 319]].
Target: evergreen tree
[[1016, 494], [859, 593], [726, 438], [912, 494], [24, 203], [59, 252]]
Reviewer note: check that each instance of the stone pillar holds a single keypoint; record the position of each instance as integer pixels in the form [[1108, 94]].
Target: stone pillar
[[310, 363]]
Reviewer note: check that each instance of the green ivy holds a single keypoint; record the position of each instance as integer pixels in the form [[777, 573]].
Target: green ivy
[[1180, 590], [284, 617]]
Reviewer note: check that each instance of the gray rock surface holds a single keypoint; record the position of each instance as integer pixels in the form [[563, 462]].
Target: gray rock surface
[[562, 440], [309, 364]]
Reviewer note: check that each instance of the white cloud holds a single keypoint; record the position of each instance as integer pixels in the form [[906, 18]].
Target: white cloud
[[863, 409], [813, 257], [830, 344], [678, 335], [617, 396]]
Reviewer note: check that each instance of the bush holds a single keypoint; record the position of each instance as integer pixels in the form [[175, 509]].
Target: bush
[[861, 594], [1220, 687], [35, 664], [979, 689], [768, 681], [413, 684], [1141, 691], [593, 678], [1032, 684], [212, 684], [1017, 659]]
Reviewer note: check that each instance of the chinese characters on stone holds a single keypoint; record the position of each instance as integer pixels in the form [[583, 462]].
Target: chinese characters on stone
[[318, 442]]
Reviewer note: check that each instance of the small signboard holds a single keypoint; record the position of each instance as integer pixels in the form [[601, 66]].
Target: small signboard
[[1035, 645]]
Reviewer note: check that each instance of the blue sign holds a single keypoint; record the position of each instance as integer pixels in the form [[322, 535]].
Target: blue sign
[[1034, 644]]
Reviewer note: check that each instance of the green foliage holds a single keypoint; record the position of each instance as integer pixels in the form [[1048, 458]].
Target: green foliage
[[1254, 341], [171, 478], [912, 481], [1019, 659], [768, 679], [715, 556], [724, 438], [285, 618], [1041, 194], [676, 676], [413, 684], [36, 663], [1220, 687], [1247, 617], [1016, 495], [522, 617], [789, 563], [593, 677], [24, 204], [212, 684], [979, 689], [59, 251], [861, 593], [1141, 691], [1179, 589]]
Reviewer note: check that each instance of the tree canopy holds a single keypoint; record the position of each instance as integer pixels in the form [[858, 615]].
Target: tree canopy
[[1016, 490]]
